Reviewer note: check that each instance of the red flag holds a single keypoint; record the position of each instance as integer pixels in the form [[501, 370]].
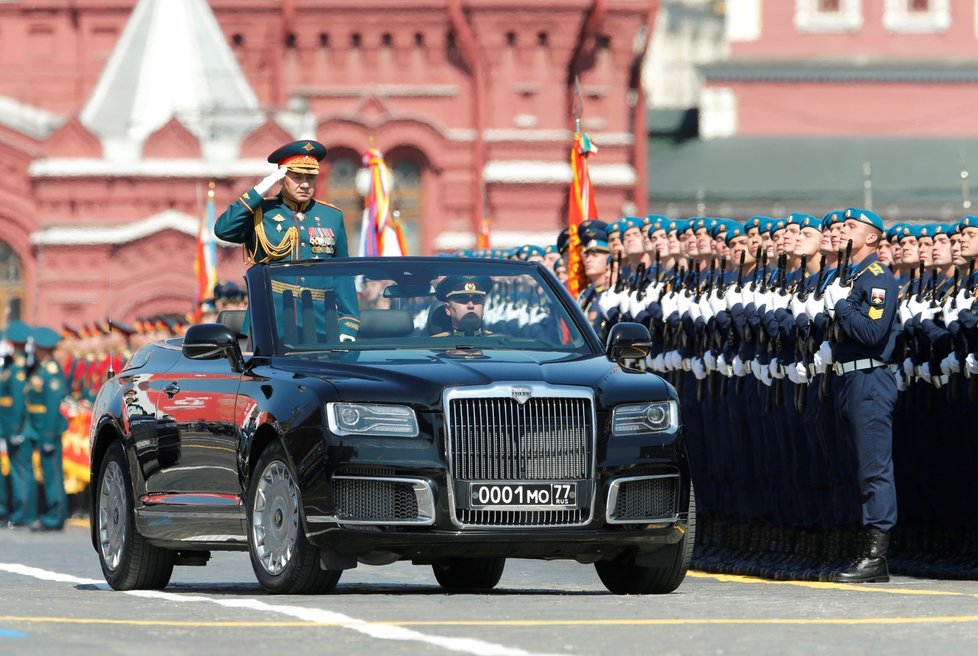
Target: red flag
[[580, 206], [482, 241]]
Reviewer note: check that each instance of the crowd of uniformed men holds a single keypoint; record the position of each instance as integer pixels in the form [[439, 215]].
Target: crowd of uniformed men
[[799, 346]]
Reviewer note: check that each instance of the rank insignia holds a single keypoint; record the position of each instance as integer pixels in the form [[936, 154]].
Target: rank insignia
[[875, 269], [877, 296], [876, 313], [277, 218]]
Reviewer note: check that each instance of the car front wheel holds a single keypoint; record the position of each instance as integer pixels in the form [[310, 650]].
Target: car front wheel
[[283, 559], [129, 561]]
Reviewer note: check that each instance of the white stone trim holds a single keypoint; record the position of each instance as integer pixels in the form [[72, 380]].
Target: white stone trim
[[79, 233], [27, 119], [380, 90], [718, 112], [57, 167], [743, 20], [496, 135], [808, 18], [897, 17], [550, 172], [457, 240]]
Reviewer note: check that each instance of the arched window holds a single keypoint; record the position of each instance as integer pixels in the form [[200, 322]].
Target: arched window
[[11, 285], [342, 192], [408, 201]]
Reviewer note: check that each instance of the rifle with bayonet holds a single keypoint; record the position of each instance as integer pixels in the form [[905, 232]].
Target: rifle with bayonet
[[832, 328], [616, 271]]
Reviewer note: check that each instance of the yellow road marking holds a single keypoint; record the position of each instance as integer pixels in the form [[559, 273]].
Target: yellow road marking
[[870, 621], [818, 585]]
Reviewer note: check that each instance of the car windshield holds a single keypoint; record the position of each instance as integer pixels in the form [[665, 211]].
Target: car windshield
[[467, 305]]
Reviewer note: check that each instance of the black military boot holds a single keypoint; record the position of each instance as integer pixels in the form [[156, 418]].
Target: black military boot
[[870, 567]]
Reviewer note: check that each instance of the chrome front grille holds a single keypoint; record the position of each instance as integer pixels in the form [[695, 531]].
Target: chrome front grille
[[643, 499], [492, 437], [499, 439]]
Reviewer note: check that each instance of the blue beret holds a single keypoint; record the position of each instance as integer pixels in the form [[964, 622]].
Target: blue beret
[[46, 338], [777, 224], [615, 227], [835, 216], [906, 230], [550, 249], [18, 331], [629, 222], [865, 216], [733, 233], [677, 226], [803, 220], [299, 156], [968, 222]]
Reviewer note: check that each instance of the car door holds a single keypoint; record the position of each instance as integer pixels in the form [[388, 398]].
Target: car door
[[198, 436]]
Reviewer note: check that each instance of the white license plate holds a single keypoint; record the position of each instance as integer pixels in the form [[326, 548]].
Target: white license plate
[[526, 495]]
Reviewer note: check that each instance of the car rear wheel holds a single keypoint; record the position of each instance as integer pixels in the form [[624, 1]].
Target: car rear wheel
[[129, 561], [283, 559], [624, 576], [469, 573]]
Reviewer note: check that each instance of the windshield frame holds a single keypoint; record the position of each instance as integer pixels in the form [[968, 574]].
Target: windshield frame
[[263, 315]]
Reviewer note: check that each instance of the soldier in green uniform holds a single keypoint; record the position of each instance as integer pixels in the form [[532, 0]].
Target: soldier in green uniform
[[291, 226], [23, 491], [465, 303], [44, 426]]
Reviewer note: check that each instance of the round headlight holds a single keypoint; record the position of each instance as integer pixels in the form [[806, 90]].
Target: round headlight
[[349, 416], [657, 415]]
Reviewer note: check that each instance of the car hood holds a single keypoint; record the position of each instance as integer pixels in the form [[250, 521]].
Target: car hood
[[420, 378]]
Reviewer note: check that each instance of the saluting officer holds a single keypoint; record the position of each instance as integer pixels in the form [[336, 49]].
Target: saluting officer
[[865, 392], [293, 225]]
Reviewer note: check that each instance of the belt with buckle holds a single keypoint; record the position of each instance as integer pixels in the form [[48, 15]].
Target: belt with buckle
[[856, 365]]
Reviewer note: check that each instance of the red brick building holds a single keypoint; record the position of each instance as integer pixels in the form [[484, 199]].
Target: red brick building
[[115, 114]]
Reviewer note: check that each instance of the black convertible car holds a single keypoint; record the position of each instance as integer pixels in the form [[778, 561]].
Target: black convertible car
[[451, 412]]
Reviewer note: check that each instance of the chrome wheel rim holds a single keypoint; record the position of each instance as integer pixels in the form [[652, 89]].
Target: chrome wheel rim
[[275, 518], [113, 516]]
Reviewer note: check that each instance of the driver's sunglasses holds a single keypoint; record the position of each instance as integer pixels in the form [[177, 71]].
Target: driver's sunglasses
[[465, 299]]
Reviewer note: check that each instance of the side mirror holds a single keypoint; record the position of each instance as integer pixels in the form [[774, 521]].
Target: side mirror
[[628, 341], [210, 341]]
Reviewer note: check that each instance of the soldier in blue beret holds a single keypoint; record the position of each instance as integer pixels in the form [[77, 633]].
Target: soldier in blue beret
[[293, 225], [13, 379], [863, 303], [44, 426]]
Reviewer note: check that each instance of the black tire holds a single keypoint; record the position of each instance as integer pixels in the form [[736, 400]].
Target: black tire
[[128, 560], [623, 576], [472, 574], [283, 559]]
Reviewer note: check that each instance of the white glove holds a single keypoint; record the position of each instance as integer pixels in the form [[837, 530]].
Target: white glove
[[694, 310], [971, 363], [900, 382], [755, 369], [669, 305], [621, 300], [780, 301], [606, 301], [801, 372], [706, 311], [928, 314], [637, 305], [950, 365], [696, 364], [950, 313], [908, 368], [797, 306], [674, 361], [717, 303], [722, 366], [270, 180], [824, 355], [776, 370], [963, 299], [738, 367], [835, 293], [682, 303], [814, 306], [916, 306], [734, 297], [710, 361], [762, 300], [764, 375], [925, 372], [347, 338], [905, 313]]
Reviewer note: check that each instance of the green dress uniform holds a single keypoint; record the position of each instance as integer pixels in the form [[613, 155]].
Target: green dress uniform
[[43, 427], [22, 507]]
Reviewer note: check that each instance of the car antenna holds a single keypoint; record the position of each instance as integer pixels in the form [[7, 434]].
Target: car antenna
[[111, 372]]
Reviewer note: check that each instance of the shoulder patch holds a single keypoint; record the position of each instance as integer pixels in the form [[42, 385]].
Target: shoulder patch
[[876, 313], [875, 269]]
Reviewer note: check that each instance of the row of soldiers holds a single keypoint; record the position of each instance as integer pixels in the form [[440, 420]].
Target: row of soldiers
[[31, 392], [814, 376]]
